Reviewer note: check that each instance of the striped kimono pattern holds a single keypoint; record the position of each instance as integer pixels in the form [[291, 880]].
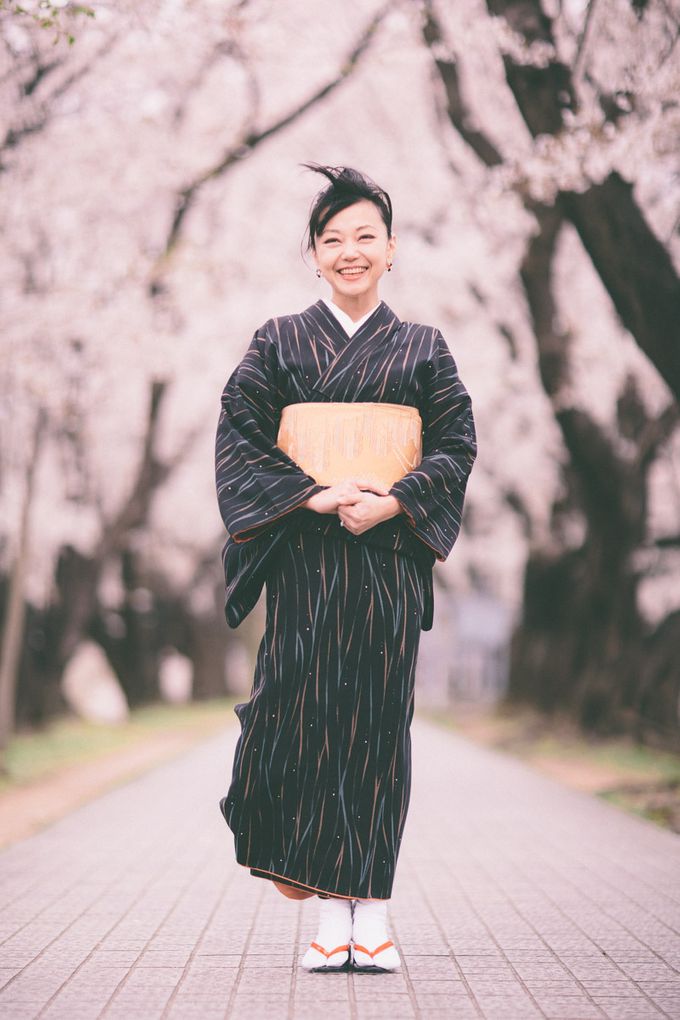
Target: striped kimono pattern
[[320, 781]]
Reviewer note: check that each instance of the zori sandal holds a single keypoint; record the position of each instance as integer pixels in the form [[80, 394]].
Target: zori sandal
[[317, 958], [372, 948], [381, 959], [335, 932]]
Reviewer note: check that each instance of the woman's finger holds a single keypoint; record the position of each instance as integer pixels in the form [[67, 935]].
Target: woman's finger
[[374, 487]]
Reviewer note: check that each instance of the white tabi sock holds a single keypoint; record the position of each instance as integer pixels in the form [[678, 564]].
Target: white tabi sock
[[330, 948], [372, 947]]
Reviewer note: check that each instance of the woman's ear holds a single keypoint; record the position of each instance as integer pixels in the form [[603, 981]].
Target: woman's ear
[[391, 245]]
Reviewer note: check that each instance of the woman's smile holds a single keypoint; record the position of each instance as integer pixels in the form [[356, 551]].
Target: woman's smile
[[354, 247], [352, 271]]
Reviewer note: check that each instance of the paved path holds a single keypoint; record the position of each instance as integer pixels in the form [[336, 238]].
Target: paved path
[[515, 898]]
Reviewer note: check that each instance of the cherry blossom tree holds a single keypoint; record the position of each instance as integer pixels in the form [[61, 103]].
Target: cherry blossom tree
[[596, 86], [153, 213]]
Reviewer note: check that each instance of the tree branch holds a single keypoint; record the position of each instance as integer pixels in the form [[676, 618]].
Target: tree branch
[[583, 38], [634, 266], [632, 263], [246, 145], [150, 474], [541, 93], [41, 118], [656, 432], [457, 111]]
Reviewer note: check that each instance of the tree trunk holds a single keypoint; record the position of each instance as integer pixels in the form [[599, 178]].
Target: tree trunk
[[15, 613], [582, 644], [635, 268]]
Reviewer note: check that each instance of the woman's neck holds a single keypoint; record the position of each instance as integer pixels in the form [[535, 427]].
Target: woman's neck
[[355, 307]]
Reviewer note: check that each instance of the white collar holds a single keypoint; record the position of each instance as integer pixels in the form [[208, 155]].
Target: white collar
[[344, 319]]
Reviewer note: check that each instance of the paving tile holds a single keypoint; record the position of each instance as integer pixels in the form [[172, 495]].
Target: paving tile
[[520, 899]]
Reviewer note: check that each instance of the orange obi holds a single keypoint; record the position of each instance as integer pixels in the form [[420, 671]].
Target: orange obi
[[336, 441]]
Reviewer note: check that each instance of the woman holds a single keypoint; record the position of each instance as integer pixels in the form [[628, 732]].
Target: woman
[[322, 770]]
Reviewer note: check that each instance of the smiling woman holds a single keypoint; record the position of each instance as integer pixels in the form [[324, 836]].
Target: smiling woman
[[351, 239], [322, 770]]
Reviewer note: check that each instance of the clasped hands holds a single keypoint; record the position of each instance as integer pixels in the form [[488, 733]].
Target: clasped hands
[[359, 504]]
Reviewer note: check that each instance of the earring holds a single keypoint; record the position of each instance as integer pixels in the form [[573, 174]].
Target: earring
[[318, 273], [389, 267]]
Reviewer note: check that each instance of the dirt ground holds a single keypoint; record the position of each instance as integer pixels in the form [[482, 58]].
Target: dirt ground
[[29, 807]]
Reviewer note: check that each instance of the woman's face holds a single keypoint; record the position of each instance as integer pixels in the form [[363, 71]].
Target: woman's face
[[352, 253]]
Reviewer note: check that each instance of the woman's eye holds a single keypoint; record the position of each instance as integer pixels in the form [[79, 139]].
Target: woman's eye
[[364, 237]]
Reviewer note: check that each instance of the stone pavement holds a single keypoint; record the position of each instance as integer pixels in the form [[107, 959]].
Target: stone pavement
[[515, 898]]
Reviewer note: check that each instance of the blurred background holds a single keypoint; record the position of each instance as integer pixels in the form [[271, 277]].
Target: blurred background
[[152, 216]]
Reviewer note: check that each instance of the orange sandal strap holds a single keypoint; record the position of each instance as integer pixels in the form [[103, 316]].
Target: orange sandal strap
[[363, 949], [338, 949]]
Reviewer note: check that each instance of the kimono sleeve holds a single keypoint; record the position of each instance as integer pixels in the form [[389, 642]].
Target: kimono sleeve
[[432, 495], [257, 482]]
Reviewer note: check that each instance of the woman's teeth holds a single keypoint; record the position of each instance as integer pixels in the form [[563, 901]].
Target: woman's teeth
[[352, 272]]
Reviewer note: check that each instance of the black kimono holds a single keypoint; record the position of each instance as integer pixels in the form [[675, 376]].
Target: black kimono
[[322, 771]]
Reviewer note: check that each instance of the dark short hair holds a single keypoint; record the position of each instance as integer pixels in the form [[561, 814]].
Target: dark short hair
[[346, 187]]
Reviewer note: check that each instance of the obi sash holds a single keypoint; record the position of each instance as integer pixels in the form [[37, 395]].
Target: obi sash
[[331, 442], [334, 441]]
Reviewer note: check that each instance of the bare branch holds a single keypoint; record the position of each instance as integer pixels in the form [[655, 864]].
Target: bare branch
[[150, 473], [458, 113], [42, 116], [249, 142], [541, 93], [514, 499], [667, 542], [634, 266], [631, 261], [583, 38], [657, 431], [223, 49]]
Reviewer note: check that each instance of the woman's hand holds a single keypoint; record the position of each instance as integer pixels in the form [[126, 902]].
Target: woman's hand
[[328, 501], [360, 504], [363, 511]]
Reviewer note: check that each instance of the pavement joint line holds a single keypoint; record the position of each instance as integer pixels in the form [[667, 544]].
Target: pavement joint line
[[532, 926], [63, 930], [45, 877], [599, 950], [293, 1007], [633, 877], [583, 862], [227, 882], [158, 877], [293, 978], [404, 966], [171, 853], [646, 825], [558, 907], [543, 838], [602, 910], [259, 896], [452, 956], [506, 905], [484, 870], [354, 1010], [28, 888], [78, 881]]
